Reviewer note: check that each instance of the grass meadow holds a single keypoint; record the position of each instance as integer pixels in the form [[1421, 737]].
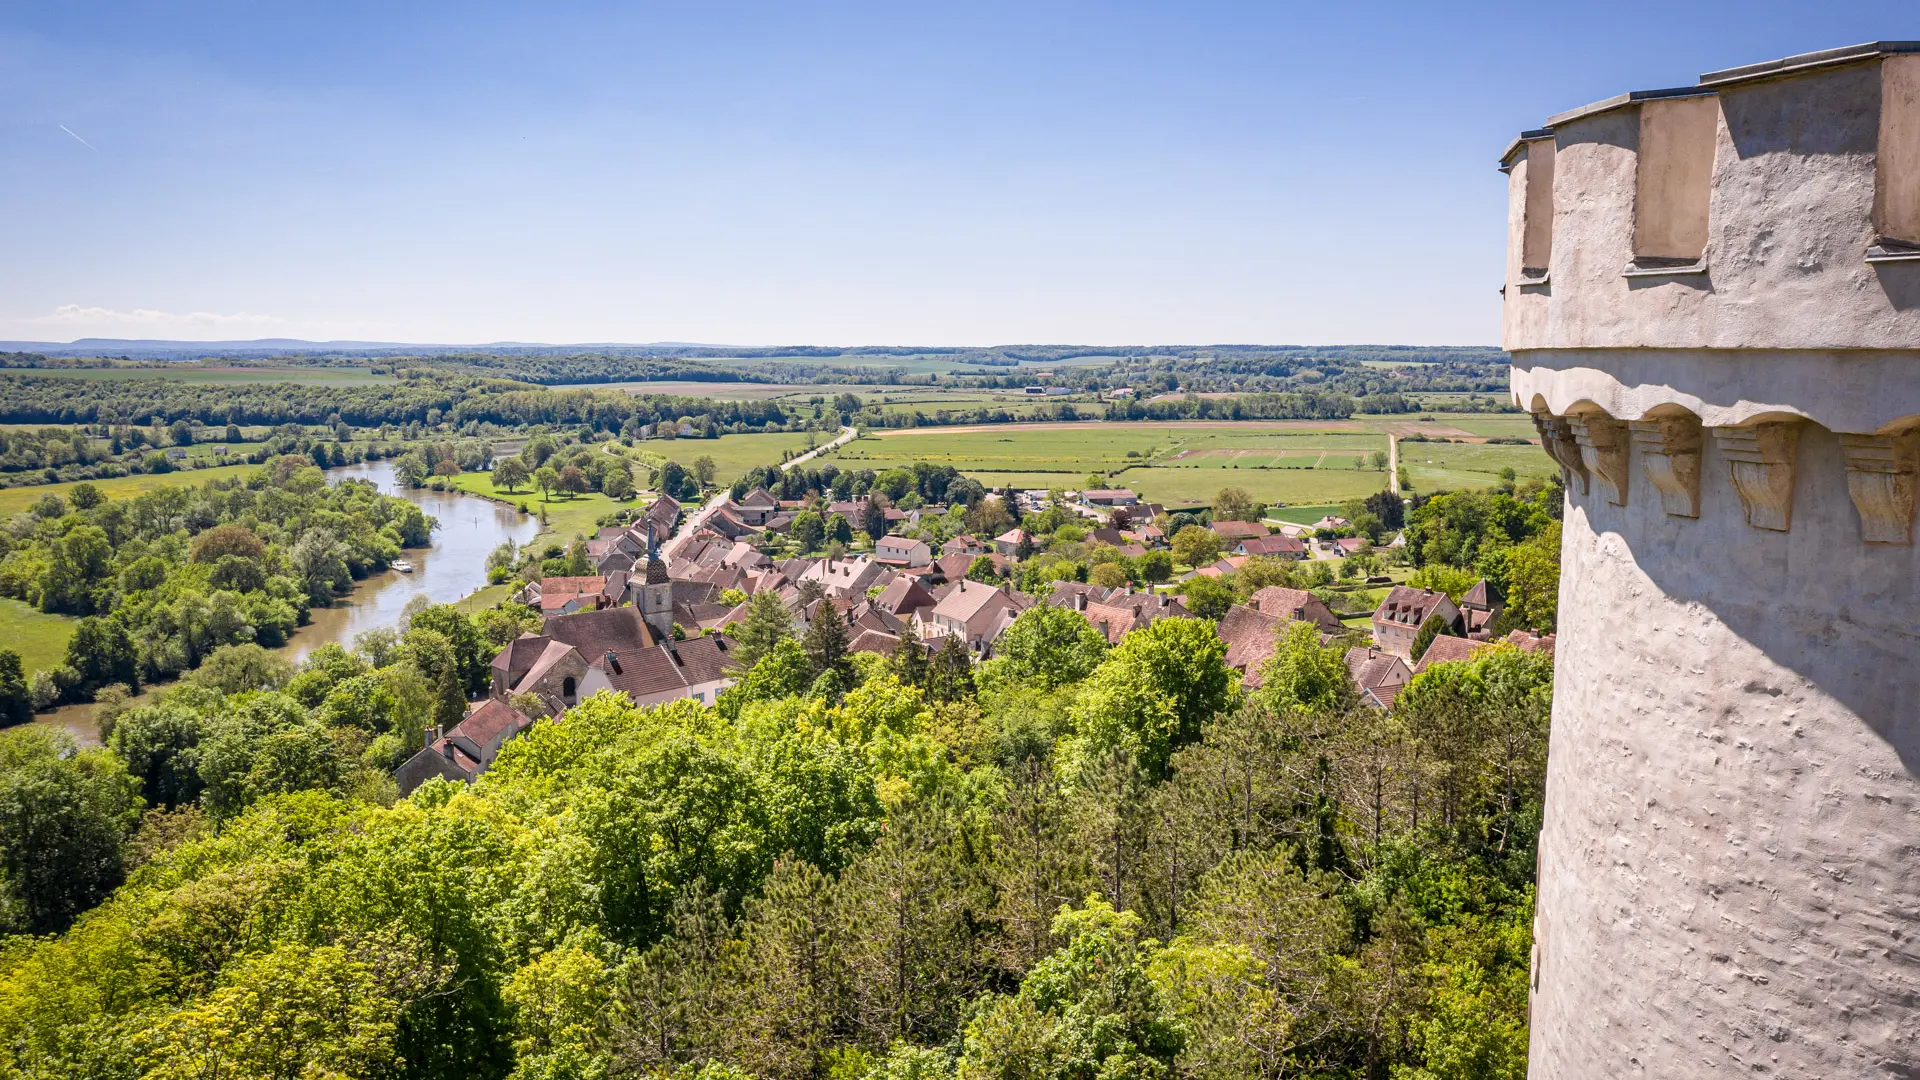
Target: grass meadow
[[15, 499], [39, 638]]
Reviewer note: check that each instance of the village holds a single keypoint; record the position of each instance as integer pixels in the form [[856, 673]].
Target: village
[[653, 622]]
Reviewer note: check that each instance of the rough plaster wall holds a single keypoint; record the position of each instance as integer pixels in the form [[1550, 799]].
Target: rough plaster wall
[[1791, 219], [1730, 863]]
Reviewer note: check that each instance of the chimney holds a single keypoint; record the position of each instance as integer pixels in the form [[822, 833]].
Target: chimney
[[612, 661], [1080, 601]]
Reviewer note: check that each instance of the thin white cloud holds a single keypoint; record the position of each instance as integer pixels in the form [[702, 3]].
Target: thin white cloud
[[81, 315]]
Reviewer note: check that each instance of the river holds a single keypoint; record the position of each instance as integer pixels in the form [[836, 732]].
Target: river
[[450, 567]]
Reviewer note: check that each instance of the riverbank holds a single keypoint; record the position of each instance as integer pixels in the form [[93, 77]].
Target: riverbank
[[451, 569]]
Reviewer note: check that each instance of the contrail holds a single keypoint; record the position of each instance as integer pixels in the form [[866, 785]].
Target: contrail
[[83, 142]]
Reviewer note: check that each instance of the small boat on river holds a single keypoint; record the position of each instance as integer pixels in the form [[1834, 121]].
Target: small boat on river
[[403, 566]]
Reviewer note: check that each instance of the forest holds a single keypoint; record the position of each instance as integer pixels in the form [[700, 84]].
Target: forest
[[1070, 861], [162, 580]]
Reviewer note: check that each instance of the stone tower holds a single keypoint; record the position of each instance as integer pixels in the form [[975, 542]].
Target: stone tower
[[656, 592], [1712, 303]]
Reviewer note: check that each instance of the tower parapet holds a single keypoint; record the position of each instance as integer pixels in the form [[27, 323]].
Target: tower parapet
[[1712, 303]]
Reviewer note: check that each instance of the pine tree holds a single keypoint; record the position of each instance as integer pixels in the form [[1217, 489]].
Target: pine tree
[[952, 676], [910, 658], [826, 641], [449, 704], [1434, 627]]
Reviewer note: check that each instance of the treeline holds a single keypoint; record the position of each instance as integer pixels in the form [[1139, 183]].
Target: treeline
[[1074, 860], [425, 399], [162, 580]]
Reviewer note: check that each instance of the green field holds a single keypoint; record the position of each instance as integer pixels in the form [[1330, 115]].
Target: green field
[[733, 455], [1454, 467], [15, 499], [1173, 463], [567, 515], [39, 638], [1197, 487], [1492, 425]]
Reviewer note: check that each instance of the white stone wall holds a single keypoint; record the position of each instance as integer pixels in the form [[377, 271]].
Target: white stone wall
[[1730, 863]]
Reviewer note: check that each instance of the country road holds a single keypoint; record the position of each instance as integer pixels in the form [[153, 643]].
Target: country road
[[692, 522], [1393, 464]]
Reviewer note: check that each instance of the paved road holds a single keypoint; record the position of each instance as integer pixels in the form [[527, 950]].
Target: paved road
[[1393, 464], [690, 523]]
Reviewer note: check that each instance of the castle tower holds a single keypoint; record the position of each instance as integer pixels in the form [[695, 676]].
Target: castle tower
[[1712, 303], [656, 593]]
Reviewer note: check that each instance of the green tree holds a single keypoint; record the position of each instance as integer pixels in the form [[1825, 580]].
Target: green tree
[[1154, 692], [617, 483], [64, 815], [159, 745], [1156, 566], [826, 642], [704, 469], [1304, 675], [808, 529], [1234, 504], [101, 652], [767, 623], [1207, 597], [950, 673], [236, 669], [1533, 581], [510, 473], [85, 496], [295, 1011], [1195, 546], [1434, 627], [1089, 1010], [874, 518], [838, 529], [547, 480], [982, 569], [449, 704], [16, 700], [1046, 648]]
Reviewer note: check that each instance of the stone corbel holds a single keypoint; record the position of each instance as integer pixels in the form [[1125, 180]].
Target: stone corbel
[[1670, 455], [1556, 438], [1762, 457], [1880, 478], [1603, 444]]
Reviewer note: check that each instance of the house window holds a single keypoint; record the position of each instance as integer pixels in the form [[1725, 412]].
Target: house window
[[567, 689], [1896, 171], [1674, 181], [1536, 236]]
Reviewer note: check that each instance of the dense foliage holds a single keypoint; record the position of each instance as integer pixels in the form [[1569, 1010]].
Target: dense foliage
[[1075, 862], [1509, 537], [163, 579]]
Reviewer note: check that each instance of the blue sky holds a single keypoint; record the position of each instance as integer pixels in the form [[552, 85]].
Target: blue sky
[[804, 173]]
